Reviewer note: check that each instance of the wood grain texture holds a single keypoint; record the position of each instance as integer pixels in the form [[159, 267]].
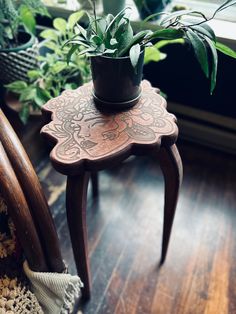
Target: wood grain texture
[[125, 228], [76, 199], [88, 139], [172, 169], [19, 211], [33, 193]]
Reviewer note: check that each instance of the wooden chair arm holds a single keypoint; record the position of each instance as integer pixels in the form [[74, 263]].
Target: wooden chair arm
[[20, 214], [33, 193]]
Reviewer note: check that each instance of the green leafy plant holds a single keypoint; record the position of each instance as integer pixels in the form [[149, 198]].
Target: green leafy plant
[[53, 74], [15, 14], [143, 4], [114, 37]]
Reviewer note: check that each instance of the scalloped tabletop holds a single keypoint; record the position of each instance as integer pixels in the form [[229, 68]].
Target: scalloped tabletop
[[89, 139]]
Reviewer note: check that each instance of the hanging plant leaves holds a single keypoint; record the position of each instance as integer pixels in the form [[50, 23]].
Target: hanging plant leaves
[[214, 64], [226, 50], [199, 49]]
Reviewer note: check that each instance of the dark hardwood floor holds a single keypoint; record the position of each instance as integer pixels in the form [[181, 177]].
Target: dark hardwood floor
[[125, 229]]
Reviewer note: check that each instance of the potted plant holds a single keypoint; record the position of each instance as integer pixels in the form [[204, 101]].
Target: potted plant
[[150, 7], [53, 74], [117, 53], [18, 45], [113, 6]]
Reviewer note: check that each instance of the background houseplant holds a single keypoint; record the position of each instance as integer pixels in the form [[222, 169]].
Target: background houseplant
[[149, 7], [113, 6], [53, 74], [112, 37], [18, 47]]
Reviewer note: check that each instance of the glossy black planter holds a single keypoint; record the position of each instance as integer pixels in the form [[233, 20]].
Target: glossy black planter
[[116, 82]]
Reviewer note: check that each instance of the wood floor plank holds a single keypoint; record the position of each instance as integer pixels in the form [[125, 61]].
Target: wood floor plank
[[125, 229]]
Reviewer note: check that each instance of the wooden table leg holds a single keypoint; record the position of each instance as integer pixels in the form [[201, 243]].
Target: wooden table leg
[[95, 188], [172, 169], [76, 199]]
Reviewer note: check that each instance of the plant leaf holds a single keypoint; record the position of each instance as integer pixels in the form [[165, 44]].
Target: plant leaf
[[74, 18], [60, 24], [113, 42], [71, 52], [49, 34], [137, 38], [27, 18], [41, 97], [70, 86], [110, 51], [134, 55], [17, 86], [51, 45], [199, 50], [225, 49], [82, 31], [58, 67], [33, 74], [78, 42], [153, 54], [169, 33], [116, 20], [163, 43], [86, 51], [205, 30], [97, 40], [24, 113], [124, 36], [101, 27], [27, 94], [214, 63]]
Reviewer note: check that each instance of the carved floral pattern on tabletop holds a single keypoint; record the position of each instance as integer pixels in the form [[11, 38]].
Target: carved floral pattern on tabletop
[[83, 132]]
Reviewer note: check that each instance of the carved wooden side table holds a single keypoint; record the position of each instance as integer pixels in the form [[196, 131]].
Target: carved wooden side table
[[87, 140]]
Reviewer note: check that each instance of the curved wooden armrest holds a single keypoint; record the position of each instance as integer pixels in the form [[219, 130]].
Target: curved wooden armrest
[[20, 214], [33, 193]]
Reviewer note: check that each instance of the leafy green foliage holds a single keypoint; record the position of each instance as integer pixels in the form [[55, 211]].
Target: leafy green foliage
[[113, 36], [53, 74], [13, 14], [226, 50], [153, 52], [200, 50]]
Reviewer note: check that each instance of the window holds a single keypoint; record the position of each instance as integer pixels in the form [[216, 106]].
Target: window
[[208, 7]]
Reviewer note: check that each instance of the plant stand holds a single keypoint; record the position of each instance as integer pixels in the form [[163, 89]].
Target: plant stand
[[89, 140]]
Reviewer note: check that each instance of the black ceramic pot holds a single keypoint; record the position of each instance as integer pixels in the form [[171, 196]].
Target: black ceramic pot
[[116, 82]]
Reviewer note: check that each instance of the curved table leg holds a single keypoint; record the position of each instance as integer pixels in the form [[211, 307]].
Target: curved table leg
[[172, 169], [76, 199], [94, 179]]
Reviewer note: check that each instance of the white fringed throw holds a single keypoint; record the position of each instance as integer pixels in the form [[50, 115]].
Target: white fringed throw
[[55, 292]]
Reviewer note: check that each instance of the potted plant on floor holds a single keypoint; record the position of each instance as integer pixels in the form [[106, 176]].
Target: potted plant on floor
[[150, 7], [117, 53], [52, 75], [18, 45]]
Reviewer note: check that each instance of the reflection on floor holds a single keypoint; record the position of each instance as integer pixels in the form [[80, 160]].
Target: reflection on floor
[[125, 228]]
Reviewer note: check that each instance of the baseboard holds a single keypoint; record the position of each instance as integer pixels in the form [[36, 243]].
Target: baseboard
[[206, 128]]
